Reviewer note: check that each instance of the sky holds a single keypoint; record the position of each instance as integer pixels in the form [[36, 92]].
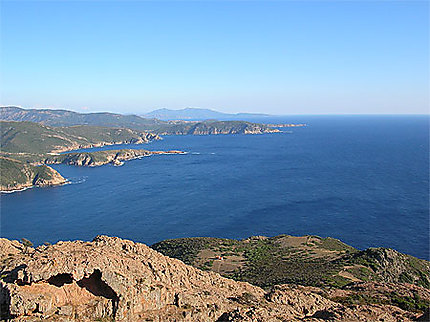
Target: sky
[[278, 57]]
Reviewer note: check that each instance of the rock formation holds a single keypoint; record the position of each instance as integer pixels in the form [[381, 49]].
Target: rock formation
[[114, 279]]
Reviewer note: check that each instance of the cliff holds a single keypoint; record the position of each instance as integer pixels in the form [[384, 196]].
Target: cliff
[[114, 279]]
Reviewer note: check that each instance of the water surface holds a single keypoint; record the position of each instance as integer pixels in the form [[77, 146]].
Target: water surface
[[362, 179]]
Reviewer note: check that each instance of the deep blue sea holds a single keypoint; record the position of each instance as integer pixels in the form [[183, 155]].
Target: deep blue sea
[[361, 179]]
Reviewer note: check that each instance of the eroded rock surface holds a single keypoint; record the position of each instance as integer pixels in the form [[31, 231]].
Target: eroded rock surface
[[114, 279]]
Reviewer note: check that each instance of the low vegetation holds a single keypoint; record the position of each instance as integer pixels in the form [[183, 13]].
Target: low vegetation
[[308, 261]]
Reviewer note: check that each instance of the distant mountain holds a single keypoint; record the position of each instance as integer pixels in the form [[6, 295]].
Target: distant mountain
[[198, 114], [69, 118]]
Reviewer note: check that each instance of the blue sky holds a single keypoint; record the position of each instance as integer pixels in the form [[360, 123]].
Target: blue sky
[[280, 57]]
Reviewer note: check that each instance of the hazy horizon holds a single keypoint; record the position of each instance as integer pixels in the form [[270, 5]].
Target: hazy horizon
[[211, 109], [279, 58]]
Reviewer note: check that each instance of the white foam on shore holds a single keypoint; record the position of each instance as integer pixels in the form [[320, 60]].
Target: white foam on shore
[[17, 190]]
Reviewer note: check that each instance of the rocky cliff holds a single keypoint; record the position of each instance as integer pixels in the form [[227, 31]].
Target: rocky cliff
[[114, 279]]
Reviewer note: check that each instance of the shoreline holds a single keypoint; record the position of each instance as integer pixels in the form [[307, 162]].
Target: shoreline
[[35, 186]]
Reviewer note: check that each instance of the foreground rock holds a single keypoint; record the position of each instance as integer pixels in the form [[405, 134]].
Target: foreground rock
[[110, 278]]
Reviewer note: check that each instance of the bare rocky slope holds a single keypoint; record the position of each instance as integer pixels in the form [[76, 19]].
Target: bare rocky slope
[[110, 279]]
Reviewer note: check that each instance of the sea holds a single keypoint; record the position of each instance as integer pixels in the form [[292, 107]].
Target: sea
[[361, 179]]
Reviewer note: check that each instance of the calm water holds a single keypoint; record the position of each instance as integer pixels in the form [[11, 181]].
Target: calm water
[[361, 179]]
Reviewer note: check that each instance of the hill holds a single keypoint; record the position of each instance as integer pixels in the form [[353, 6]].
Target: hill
[[110, 279], [307, 260], [61, 118], [28, 137], [16, 175], [199, 114]]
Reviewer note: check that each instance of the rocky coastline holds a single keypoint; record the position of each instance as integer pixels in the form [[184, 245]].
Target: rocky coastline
[[99, 158], [40, 174]]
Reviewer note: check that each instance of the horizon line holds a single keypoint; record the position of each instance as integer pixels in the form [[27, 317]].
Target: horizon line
[[263, 115]]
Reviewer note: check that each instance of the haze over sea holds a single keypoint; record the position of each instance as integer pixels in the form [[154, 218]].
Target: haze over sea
[[361, 179]]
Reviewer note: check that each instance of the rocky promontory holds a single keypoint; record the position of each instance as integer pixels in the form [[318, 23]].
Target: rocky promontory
[[216, 127], [16, 175], [114, 279], [98, 158]]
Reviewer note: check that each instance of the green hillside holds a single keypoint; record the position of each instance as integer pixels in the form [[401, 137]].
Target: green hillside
[[17, 175], [308, 260], [28, 137]]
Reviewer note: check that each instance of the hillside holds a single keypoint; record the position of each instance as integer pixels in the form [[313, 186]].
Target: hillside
[[28, 137], [15, 175], [68, 118], [308, 261], [110, 279], [61, 118]]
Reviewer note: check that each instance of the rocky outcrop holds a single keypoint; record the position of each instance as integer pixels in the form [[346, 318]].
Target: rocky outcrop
[[393, 266], [111, 278]]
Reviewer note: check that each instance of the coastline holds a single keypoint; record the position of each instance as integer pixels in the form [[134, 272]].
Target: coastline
[[35, 186], [116, 159]]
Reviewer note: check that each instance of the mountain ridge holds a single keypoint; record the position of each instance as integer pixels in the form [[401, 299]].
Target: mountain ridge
[[61, 118], [199, 114]]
